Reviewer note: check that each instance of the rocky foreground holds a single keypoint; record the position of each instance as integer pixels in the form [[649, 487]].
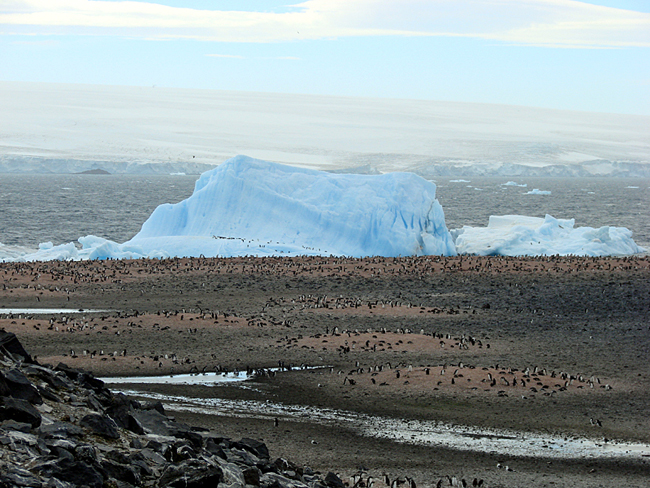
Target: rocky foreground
[[61, 427]]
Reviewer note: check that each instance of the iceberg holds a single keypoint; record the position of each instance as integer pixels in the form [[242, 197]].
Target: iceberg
[[248, 206], [537, 191], [518, 235], [252, 207]]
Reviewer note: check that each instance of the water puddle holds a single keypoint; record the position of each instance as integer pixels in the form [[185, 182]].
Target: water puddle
[[419, 432], [46, 311], [203, 379]]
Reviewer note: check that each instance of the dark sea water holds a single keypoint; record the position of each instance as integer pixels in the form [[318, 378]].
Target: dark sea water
[[62, 208]]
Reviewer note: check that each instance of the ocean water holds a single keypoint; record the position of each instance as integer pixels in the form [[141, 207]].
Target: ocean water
[[62, 208]]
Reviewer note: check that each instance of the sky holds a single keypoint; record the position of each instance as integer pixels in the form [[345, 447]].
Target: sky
[[562, 54]]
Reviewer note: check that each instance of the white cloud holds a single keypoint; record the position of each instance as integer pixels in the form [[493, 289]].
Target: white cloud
[[553, 23]]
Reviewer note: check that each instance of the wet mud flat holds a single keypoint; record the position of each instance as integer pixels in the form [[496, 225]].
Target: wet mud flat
[[574, 330]]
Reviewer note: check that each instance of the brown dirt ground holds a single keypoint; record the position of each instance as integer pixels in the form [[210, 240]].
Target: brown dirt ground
[[368, 320]]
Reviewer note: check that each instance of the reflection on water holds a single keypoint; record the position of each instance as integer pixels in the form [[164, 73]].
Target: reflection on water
[[421, 432]]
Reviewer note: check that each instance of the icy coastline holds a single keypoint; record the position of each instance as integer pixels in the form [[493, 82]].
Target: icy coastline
[[250, 207]]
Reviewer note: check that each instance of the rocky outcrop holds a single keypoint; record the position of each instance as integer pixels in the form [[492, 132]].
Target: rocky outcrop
[[61, 428]]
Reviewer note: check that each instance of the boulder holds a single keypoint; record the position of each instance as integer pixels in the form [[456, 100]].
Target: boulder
[[13, 425], [16, 476], [333, 481], [253, 446], [121, 472], [20, 387], [76, 472], [61, 429], [9, 343], [100, 425], [154, 422], [191, 474], [123, 417], [20, 411]]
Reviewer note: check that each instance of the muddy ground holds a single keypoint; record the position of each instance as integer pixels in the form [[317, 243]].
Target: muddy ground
[[555, 346]]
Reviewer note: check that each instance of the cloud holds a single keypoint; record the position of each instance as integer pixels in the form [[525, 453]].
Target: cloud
[[552, 23]]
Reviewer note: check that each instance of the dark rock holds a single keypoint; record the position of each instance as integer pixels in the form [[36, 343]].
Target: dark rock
[[143, 467], [117, 456], [54, 483], [154, 405], [49, 394], [156, 446], [239, 456], [191, 474], [9, 343], [275, 480], [181, 451], [21, 387], [123, 417], [136, 443], [94, 402], [153, 456], [62, 453], [20, 411], [214, 448], [100, 425], [60, 382], [252, 476], [87, 380], [4, 387], [19, 426], [61, 429], [85, 453], [61, 443], [121, 472], [71, 373], [15, 477], [253, 446], [195, 438], [232, 474], [282, 466], [156, 423], [333, 481], [76, 472]]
